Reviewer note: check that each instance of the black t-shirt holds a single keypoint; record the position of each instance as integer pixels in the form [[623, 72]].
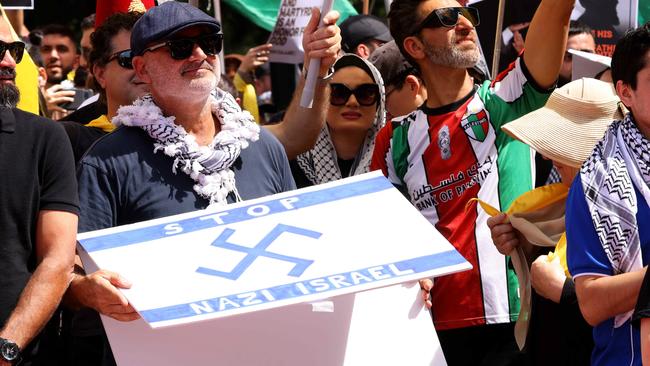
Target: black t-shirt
[[87, 113], [36, 173], [81, 137]]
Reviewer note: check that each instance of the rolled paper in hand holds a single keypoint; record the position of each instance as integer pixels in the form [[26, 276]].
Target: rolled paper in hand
[[307, 98]]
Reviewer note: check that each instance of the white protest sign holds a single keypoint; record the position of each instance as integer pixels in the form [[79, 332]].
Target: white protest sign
[[386, 326], [588, 65], [300, 246], [286, 37]]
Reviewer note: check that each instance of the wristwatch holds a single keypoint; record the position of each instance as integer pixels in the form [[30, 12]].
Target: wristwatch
[[9, 351]]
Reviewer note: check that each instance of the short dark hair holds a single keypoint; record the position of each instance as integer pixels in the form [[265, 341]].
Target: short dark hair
[[88, 22], [402, 20], [630, 55], [61, 30], [576, 27], [398, 80], [101, 38]]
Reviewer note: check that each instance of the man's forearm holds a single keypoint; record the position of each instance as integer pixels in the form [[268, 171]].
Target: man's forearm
[[300, 126], [546, 40], [601, 298], [37, 302]]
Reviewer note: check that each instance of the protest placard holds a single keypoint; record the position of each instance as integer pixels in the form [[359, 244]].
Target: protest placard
[[338, 238], [608, 19], [302, 246], [286, 38]]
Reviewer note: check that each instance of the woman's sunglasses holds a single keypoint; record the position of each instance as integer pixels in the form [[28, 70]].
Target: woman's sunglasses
[[16, 50], [123, 58], [365, 94], [180, 49], [448, 17]]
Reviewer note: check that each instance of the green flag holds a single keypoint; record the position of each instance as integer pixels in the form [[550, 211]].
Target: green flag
[[644, 11], [264, 12]]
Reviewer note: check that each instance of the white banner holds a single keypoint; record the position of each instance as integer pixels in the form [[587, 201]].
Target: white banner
[[300, 246]]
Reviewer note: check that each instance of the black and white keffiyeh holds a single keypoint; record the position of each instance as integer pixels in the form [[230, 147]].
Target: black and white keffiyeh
[[320, 164], [209, 166], [620, 161]]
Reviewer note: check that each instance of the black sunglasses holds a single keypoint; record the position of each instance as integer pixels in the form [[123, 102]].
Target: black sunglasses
[[16, 50], [448, 17], [123, 58], [365, 94], [180, 49]]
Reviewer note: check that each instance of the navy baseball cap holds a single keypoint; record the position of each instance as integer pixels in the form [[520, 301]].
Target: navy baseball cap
[[161, 22]]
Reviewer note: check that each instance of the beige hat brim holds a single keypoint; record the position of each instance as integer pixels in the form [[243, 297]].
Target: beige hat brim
[[563, 134]]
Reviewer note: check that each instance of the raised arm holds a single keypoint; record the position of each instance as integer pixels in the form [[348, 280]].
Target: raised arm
[[55, 243], [300, 127], [546, 40]]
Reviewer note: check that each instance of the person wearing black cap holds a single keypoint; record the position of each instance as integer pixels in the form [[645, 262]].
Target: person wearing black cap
[[362, 34], [405, 90], [184, 146]]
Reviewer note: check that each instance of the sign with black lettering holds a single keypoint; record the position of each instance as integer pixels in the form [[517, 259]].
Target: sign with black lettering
[[286, 38]]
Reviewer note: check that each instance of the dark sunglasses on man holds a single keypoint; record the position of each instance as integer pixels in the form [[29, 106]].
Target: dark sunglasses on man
[[365, 94], [123, 58], [16, 50], [180, 49], [448, 17]]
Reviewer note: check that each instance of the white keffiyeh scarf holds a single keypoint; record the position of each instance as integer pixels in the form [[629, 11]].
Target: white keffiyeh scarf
[[209, 166], [620, 161]]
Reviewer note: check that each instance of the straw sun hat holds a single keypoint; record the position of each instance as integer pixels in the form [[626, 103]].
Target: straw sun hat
[[568, 127]]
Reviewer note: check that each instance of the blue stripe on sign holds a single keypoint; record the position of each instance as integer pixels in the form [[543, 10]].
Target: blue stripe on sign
[[304, 288], [235, 215]]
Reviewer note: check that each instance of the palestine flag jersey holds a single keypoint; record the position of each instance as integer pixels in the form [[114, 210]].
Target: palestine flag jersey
[[440, 159]]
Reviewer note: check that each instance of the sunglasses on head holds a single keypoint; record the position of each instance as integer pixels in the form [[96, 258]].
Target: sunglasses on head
[[180, 49], [448, 17], [123, 58], [365, 94], [16, 50]]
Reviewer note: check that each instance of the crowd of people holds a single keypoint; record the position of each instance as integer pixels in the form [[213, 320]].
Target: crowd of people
[[139, 122]]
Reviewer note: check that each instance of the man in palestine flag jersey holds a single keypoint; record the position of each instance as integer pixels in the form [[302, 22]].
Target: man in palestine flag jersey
[[452, 149]]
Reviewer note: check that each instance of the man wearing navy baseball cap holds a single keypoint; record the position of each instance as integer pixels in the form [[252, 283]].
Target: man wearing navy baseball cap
[[185, 145]]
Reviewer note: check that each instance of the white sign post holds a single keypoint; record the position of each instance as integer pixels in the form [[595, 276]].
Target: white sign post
[[297, 247]]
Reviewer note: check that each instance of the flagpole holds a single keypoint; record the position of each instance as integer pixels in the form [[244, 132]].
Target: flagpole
[[217, 16], [497, 39]]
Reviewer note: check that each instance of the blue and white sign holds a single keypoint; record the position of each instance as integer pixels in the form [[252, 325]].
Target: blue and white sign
[[301, 246]]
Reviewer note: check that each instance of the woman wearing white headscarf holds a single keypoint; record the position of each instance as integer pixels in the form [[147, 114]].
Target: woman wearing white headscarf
[[355, 115]]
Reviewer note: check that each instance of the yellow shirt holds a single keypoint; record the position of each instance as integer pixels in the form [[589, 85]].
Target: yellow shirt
[[103, 123]]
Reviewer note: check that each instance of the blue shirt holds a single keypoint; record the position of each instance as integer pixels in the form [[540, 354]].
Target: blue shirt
[[122, 180], [586, 256]]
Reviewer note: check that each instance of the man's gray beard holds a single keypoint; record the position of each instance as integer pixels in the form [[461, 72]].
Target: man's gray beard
[[9, 96], [452, 56]]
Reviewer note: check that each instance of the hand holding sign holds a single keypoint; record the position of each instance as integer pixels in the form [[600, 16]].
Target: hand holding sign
[[322, 43], [99, 291], [322, 46]]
